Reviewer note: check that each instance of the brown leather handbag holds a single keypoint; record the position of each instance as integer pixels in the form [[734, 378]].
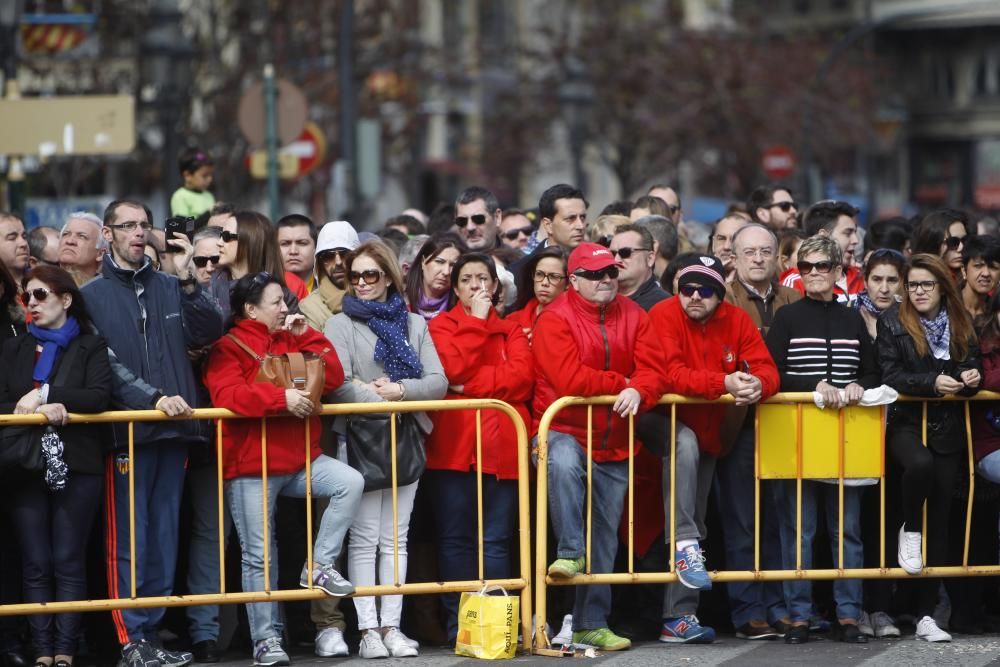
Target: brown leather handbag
[[292, 370]]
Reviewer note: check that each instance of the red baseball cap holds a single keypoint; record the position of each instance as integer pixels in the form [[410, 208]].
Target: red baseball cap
[[590, 257]]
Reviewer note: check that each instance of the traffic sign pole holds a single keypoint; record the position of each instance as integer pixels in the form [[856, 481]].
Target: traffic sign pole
[[270, 112]]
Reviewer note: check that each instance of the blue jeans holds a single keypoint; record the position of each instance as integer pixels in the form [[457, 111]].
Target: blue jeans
[[203, 552], [989, 466], [567, 496], [330, 478], [734, 493], [798, 593], [453, 497]]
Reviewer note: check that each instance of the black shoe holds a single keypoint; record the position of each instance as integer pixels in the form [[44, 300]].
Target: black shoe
[[753, 631], [206, 651], [797, 634], [138, 654], [781, 627], [852, 634], [13, 659], [172, 658]]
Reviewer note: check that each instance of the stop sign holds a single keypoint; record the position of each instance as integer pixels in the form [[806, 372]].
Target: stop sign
[[778, 162]]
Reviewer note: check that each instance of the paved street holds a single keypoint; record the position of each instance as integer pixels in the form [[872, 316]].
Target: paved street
[[965, 651]]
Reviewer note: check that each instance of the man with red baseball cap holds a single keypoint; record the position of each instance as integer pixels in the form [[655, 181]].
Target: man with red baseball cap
[[591, 341]]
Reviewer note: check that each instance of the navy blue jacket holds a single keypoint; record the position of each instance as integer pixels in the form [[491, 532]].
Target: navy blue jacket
[[149, 323]]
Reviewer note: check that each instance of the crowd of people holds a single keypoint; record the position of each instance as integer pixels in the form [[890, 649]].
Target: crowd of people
[[481, 302]]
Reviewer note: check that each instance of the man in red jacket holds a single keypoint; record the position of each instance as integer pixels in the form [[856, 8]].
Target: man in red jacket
[[591, 341], [712, 348]]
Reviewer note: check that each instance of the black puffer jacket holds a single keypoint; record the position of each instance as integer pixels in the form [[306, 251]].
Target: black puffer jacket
[[914, 375]]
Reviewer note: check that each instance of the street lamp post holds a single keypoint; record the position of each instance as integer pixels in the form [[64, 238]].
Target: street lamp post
[[576, 95]]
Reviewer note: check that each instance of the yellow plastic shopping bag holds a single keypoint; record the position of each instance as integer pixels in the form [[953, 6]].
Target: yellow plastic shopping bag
[[487, 625]]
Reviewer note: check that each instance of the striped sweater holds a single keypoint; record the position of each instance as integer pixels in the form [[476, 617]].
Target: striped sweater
[[812, 341]]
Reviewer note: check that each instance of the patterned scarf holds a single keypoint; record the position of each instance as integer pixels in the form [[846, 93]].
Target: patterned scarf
[[430, 308], [387, 320], [938, 332], [865, 302]]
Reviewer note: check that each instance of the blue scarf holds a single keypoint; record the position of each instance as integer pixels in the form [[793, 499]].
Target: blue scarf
[[387, 319], [938, 332], [866, 302], [52, 341]]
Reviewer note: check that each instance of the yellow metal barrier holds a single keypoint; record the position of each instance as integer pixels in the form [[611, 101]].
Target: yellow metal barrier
[[522, 583], [841, 446]]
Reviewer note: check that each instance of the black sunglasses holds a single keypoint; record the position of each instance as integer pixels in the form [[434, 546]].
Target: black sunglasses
[[689, 290], [263, 278], [821, 267], [332, 253], [229, 236], [954, 242], [607, 272], [200, 260], [480, 219], [512, 234], [604, 241], [40, 294], [785, 206], [370, 276], [886, 252], [625, 253]]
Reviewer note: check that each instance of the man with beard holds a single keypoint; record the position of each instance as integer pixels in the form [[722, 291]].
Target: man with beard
[[477, 216], [335, 240]]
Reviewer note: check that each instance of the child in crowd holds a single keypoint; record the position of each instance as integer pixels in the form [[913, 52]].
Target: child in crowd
[[193, 198]]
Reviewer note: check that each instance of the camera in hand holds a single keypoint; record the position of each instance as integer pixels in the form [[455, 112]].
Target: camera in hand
[[180, 225]]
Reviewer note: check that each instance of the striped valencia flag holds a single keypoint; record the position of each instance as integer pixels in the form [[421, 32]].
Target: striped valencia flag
[[52, 38]]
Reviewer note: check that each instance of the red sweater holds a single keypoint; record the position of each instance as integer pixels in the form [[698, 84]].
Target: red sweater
[[492, 359], [699, 356], [586, 350], [229, 375]]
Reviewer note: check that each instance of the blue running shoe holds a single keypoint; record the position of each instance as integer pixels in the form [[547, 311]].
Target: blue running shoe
[[686, 630], [690, 565]]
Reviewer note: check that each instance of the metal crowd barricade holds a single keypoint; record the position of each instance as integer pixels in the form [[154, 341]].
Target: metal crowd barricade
[[522, 583], [784, 452]]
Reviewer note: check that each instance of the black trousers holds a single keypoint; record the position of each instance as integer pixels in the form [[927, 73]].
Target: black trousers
[[52, 531]]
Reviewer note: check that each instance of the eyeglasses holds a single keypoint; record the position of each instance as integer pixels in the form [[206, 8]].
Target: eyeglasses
[[689, 291], [921, 285], [512, 234], [954, 242], [607, 272], [765, 253], [200, 261], [40, 294], [886, 252], [228, 237], [807, 267], [131, 225], [673, 208], [625, 253], [479, 218], [263, 278], [370, 276], [604, 241], [553, 278], [785, 206]]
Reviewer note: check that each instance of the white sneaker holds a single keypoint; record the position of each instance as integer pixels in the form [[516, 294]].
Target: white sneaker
[[397, 644], [884, 626], [371, 645], [929, 631], [330, 643], [865, 625], [565, 635], [908, 554]]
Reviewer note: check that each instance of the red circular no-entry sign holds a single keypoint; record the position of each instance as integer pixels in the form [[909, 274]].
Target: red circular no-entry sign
[[778, 162]]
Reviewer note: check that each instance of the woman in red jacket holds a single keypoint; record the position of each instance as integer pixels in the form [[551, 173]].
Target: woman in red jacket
[[260, 326], [483, 357]]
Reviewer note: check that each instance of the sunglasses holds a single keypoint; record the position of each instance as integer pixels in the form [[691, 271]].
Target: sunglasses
[[339, 253], [785, 206], [228, 237], [40, 294], [609, 272], [886, 252], [512, 234], [263, 278], [553, 278], [821, 267], [689, 291], [201, 261], [954, 242], [479, 219], [371, 276], [625, 253]]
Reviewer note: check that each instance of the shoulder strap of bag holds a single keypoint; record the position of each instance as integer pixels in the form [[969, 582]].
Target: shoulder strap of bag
[[65, 364], [244, 347]]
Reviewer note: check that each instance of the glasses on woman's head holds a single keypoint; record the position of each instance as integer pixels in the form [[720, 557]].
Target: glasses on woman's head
[[954, 242], [689, 291], [370, 276], [201, 260], [607, 272], [921, 285], [479, 219], [805, 268], [229, 237], [40, 294], [886, 252], [553, 278], [263, 278]]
